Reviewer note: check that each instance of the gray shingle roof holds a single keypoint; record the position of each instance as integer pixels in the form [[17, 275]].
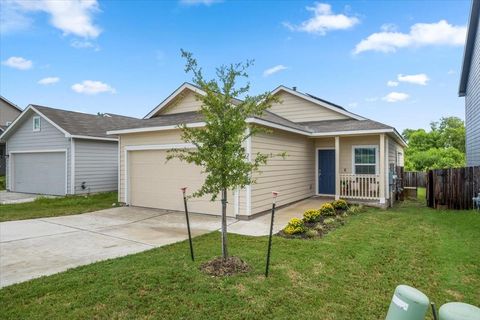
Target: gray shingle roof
[[343, 125], [309, 127], [84, 124]]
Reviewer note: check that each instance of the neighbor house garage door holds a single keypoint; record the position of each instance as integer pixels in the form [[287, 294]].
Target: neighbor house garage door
[[42, 172], [156, 184]]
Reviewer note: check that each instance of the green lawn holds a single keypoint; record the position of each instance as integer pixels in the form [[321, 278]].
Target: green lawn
[[52, 207], [349, 274]]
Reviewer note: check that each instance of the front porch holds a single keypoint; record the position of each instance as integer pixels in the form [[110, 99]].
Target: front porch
[[353, 167]]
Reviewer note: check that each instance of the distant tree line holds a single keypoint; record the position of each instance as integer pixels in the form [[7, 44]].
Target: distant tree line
[[443, 146]]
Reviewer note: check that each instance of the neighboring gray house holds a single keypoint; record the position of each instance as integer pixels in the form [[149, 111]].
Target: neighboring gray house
[[8, 112], [58, 152], [470, 87]]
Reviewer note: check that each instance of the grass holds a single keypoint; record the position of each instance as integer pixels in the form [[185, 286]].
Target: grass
[[53, 207], [2, 183], [349, 274]]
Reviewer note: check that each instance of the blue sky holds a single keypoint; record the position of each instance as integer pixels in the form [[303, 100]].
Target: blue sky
[[397, 62]]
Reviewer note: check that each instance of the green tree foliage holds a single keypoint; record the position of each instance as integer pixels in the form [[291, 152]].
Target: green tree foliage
[[441, 147], [220, 150]]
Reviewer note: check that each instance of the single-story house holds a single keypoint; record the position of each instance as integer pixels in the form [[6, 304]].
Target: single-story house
[[470, 87], [330, 152], [59, 152], [8, 112]]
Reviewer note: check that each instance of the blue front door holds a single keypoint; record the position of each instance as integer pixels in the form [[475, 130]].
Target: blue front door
[[326, 171]]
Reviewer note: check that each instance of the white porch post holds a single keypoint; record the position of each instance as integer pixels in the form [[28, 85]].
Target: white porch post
[[337, 167], [382, 168]]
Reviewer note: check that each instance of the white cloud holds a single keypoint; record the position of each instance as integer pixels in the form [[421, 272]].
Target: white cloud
[[72, 17], [323, 20], [353, 104], [91, 87], [11, 18], [391, 83], [421, 34], [199, 2], [395, 97], [81, 44], [274, 70], [420, 79], [18, 63], [48, 80]]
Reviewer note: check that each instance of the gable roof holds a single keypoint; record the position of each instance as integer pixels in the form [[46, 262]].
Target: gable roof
[[185, 86], [269, 119], [469, 47], [318, 101], [77, 124], [10, 103]]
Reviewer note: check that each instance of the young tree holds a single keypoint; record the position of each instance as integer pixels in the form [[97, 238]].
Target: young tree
[[219, 145]]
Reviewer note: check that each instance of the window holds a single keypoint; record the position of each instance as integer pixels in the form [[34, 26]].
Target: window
[[399, 159], [36, 123], [365, 160]]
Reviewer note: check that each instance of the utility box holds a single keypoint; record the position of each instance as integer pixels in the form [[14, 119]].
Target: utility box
[[458, 311], [408, 303]]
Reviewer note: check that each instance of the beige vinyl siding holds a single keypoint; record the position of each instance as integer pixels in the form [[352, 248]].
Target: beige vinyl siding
[[393, 149], [293, 176], [145, 177], [346, 144], [325, 143], [7, 113], [297, 109], [185, 102]]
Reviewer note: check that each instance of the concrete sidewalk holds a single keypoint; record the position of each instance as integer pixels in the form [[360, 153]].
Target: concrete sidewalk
[[260, 226]]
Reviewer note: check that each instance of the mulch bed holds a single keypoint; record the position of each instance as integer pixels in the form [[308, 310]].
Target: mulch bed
[[219, 267], [319, 227]]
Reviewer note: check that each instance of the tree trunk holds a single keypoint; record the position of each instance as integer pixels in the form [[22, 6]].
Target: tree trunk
[[224, 224]]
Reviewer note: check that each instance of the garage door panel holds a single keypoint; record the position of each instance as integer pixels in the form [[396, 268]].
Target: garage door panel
[[42, 172], [155, 183]]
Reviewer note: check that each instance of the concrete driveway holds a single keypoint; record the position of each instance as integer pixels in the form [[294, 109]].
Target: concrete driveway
[[38, 247], [7, 197]]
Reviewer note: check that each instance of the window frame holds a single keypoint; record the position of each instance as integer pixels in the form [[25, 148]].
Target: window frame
[[373, 146], [39, 124]]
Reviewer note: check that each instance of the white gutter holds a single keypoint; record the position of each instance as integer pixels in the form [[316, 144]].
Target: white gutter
[[267, 124], [157, 128]]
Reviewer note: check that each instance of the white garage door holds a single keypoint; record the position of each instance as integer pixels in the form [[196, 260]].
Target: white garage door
[[42, 172], [156, 184]]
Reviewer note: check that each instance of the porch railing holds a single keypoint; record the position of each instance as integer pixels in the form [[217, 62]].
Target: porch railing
[[360, 186]]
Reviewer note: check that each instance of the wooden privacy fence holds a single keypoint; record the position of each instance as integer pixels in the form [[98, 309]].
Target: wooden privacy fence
[[453, 188], [415, 179]]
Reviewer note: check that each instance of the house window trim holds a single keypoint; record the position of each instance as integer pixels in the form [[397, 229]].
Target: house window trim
[[39, 124], [377, 156], [8, 123]]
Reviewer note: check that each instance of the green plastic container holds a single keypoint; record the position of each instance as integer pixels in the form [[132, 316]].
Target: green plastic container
[[458, 311], [408, 303]]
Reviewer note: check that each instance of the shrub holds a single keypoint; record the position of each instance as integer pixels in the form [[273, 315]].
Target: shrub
[[329, 221], [311, 215], [340, 204], [319, 227], [327, 210], [294, 226], [311, 233], [355, 209]]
